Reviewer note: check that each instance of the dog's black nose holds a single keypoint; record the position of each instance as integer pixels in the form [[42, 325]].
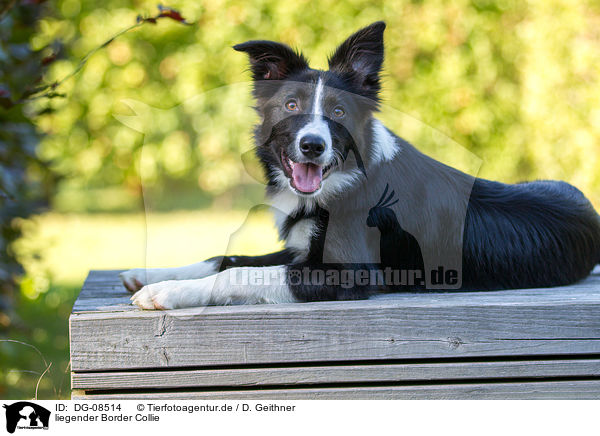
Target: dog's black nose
[[312, 146]]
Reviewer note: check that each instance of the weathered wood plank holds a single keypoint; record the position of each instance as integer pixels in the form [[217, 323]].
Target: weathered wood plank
[[567, 390], [103, 292], [334, 374], [201, 338], [563, 320]]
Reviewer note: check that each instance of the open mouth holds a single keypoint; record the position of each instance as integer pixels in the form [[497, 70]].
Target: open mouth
[[305, 177]]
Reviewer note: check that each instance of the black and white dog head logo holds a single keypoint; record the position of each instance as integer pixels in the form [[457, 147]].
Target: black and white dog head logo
[[26, 415]]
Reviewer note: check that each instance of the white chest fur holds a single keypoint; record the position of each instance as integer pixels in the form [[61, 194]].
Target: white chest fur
[[300, 235], [285, 204]]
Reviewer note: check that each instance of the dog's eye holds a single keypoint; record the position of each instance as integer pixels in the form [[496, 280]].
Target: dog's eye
[[291, 105], [339, 112]]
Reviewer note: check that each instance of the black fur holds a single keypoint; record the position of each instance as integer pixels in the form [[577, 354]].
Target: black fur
[[359, 59], [271, 60], [536, 234], [282, 257]]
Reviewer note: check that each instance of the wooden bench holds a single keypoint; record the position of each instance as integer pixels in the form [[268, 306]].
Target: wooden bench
[[534, 343]]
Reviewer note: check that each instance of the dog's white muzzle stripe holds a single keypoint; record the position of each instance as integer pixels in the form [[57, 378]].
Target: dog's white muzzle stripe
[[317, 126]]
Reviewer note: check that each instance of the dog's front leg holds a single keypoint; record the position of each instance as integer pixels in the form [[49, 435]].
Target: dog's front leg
[[334, 281], [258, 285], [135, 279], [243, 285]]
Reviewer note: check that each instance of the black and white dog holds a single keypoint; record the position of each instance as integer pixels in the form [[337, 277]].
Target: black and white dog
[[353, 200]]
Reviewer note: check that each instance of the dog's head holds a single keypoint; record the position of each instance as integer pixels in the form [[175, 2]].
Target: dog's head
[[311, 119]]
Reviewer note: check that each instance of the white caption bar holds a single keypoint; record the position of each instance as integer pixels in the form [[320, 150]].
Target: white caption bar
[[262, 418]]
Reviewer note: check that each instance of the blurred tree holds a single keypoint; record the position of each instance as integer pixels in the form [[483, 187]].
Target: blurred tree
[[27, 180], [24, 179]]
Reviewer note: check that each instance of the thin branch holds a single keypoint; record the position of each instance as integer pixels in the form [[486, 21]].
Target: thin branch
[[27, 345], [50, 88], [62, 380], [42, 357], [40, 379], [24, 371]]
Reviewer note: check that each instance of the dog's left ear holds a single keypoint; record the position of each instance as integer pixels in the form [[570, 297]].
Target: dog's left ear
[[271, 60], [360, 57]]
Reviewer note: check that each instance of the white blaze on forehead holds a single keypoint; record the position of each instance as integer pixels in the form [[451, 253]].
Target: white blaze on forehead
[[318, 100], [317, 126]]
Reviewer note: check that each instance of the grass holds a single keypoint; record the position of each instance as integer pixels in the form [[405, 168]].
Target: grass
[[69, 245]]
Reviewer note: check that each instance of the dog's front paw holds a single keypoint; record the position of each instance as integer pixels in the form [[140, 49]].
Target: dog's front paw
[[159, 296], [134, 279], [173, 294]]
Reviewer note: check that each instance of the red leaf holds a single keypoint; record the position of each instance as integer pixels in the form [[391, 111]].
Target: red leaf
[[49, 59], [171, 13]]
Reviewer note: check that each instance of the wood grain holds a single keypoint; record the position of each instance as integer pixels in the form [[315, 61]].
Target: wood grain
[[107, 333], [334, 374], [533, 391]]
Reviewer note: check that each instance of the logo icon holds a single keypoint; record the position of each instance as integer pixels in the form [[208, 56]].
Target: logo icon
[[26, 415]]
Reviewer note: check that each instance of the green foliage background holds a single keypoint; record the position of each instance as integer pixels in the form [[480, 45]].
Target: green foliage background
[[515, 82]]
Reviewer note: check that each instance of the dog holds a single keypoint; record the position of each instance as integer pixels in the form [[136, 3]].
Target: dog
[[352, 199]]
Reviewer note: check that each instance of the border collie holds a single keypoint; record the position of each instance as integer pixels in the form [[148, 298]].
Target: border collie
[[361, 211]]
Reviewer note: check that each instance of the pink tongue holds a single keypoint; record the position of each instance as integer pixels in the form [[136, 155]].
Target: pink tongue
[[307, 177]]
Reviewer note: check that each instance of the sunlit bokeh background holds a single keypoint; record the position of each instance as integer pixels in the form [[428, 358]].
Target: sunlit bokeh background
[[513, 86]]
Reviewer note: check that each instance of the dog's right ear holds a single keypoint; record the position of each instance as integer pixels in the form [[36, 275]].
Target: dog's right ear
[[271, 60]]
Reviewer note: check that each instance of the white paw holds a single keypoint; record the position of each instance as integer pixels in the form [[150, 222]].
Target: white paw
[[134, 279], [159, 296], [174, 294]]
